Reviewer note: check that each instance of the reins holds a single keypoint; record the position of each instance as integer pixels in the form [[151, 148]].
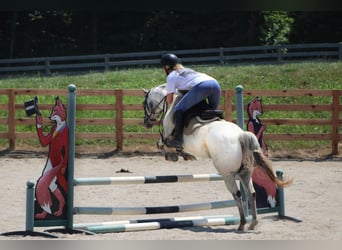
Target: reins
[[161, 128]]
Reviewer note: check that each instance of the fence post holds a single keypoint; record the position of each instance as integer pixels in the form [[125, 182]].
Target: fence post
[[11, 119], [47, 66], [335, 121], [228, 107], [221, 56], [118, 119], [106, 62], [279, 53]]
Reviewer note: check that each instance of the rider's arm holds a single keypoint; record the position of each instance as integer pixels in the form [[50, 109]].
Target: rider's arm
[[169, 98]]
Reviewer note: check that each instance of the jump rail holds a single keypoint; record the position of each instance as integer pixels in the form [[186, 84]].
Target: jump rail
[[146, 179], [154, 210], [153, 224]]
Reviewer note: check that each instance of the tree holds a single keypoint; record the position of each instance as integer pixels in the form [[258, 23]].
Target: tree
[[66, 33], [276, 28]]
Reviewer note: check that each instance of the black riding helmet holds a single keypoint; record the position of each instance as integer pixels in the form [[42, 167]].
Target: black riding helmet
[[169, 60]]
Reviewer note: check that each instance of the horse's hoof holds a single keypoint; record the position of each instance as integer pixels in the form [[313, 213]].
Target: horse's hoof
[[241, 228], [253, 225], [171, 157], [189, 157], [160, 146]]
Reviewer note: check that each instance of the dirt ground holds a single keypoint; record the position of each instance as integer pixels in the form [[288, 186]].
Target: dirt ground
[[313, 198]]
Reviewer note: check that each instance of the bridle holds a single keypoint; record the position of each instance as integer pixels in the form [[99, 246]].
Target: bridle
[[148, 120]]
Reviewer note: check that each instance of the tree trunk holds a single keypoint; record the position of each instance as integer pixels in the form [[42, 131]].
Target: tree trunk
[[94, 31], [13, 34]]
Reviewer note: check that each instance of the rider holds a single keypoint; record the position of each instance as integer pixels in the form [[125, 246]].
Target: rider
[[198, 86]]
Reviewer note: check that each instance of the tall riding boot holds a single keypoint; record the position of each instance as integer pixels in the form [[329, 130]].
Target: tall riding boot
[[178, 134]]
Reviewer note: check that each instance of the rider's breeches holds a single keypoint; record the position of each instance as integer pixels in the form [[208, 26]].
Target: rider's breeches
[[208, 89]]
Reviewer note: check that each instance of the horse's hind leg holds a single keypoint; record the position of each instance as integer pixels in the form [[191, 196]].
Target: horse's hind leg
[[246, 180], [233, 188]]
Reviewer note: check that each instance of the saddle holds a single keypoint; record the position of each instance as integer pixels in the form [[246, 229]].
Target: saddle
[[210, 114], [195, 120]]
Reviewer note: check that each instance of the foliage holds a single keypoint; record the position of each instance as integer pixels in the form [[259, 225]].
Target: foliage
[[65, 33], [276, 28]]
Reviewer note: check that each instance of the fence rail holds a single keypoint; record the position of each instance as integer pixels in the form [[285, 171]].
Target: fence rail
[[121, 114], [220, 56]]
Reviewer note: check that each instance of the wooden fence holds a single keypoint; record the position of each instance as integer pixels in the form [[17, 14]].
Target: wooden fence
[[120, 114], [218, 56]]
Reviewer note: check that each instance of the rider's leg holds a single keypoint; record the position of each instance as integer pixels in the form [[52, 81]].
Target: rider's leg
[[177, 141], [213, 90], [208, 89], [192, 97]]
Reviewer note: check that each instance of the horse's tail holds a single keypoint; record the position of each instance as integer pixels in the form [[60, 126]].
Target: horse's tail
[[253, 153]]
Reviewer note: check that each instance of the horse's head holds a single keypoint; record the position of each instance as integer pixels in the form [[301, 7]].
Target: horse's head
[[254, 107], [153, 104]]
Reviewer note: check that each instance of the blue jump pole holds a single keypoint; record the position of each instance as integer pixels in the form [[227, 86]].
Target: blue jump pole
[[239, 106], [30, 205], [240, 123], [281, 197], [71, 159]]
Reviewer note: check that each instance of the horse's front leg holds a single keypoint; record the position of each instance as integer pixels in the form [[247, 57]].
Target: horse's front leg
[[186, 156], [160, 145], [169, 156]]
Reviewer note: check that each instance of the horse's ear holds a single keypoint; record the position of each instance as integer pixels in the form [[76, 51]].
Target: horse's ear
[[145, 91]]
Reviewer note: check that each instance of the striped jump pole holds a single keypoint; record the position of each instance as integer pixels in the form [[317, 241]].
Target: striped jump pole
[[166, 209], [154, 224], [146, 179], [154, 210]]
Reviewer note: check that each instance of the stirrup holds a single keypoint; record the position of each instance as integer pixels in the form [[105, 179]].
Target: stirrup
[[174, 144]]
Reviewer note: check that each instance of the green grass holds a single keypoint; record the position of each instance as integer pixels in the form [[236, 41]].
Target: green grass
[[307, 75]]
